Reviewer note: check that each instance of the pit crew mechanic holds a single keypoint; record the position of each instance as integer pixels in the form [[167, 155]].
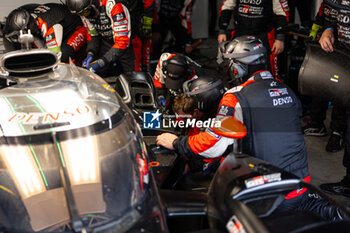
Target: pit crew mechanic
[[260, 18], [53, 26], [141, 13], [196, 102], [109, 32], [318, 107], [168, 17], [337, 34], [270, 111], [172, 71]]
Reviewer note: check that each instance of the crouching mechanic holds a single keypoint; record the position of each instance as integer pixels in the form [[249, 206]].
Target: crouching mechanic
[[52, 26], [109, 31], [270, 111], [196, 104], [172, 71]]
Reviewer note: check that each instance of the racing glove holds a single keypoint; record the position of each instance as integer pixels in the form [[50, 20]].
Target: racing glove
[[87, 60], [162, 100], [96, 65], [147, 27], [314, 30]]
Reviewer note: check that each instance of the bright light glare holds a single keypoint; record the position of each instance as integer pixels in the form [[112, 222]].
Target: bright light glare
[[81, 160], [8, 127], [68, 100], [23, 169]]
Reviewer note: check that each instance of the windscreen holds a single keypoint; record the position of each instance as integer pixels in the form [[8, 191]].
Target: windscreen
[[104, 165]]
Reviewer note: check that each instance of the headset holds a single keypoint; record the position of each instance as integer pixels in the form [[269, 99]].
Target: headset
[[179, 60]]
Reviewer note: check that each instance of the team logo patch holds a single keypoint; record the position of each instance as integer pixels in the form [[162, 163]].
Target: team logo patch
[[120, 28], [122, 34], [278, 92], [226, 110], [51, 44], [209, 131], [119, 16], [50, 37], [151, 120], [266, 75], [120, 23]]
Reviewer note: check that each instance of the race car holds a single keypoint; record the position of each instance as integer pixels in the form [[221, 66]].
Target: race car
[[72, 156], [73, 159]]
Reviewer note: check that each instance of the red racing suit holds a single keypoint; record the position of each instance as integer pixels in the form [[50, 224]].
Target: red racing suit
[[272, 122], [264, 19], [111, 26], [140, 11], [61, 30]]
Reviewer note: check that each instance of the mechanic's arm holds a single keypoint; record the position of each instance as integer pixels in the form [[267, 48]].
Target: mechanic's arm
[[159, 76], [53, 38], [166, 140], [225, 15], [327, 40], [319, 21], [93, 42], [120, 19], [159, 79], [206, 144], [281, 14]]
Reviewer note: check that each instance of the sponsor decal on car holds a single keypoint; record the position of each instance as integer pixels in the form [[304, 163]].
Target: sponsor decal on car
[[32, 118], [335, 78], [235, 226], [260, 180], [108, 87]]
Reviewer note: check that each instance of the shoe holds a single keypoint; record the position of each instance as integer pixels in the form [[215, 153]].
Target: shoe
[[335, 142], [339, 188], [314, 130]]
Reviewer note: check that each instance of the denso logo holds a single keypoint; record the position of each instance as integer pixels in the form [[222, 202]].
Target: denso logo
[[343, 18], [255, 2], [80, 38]]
